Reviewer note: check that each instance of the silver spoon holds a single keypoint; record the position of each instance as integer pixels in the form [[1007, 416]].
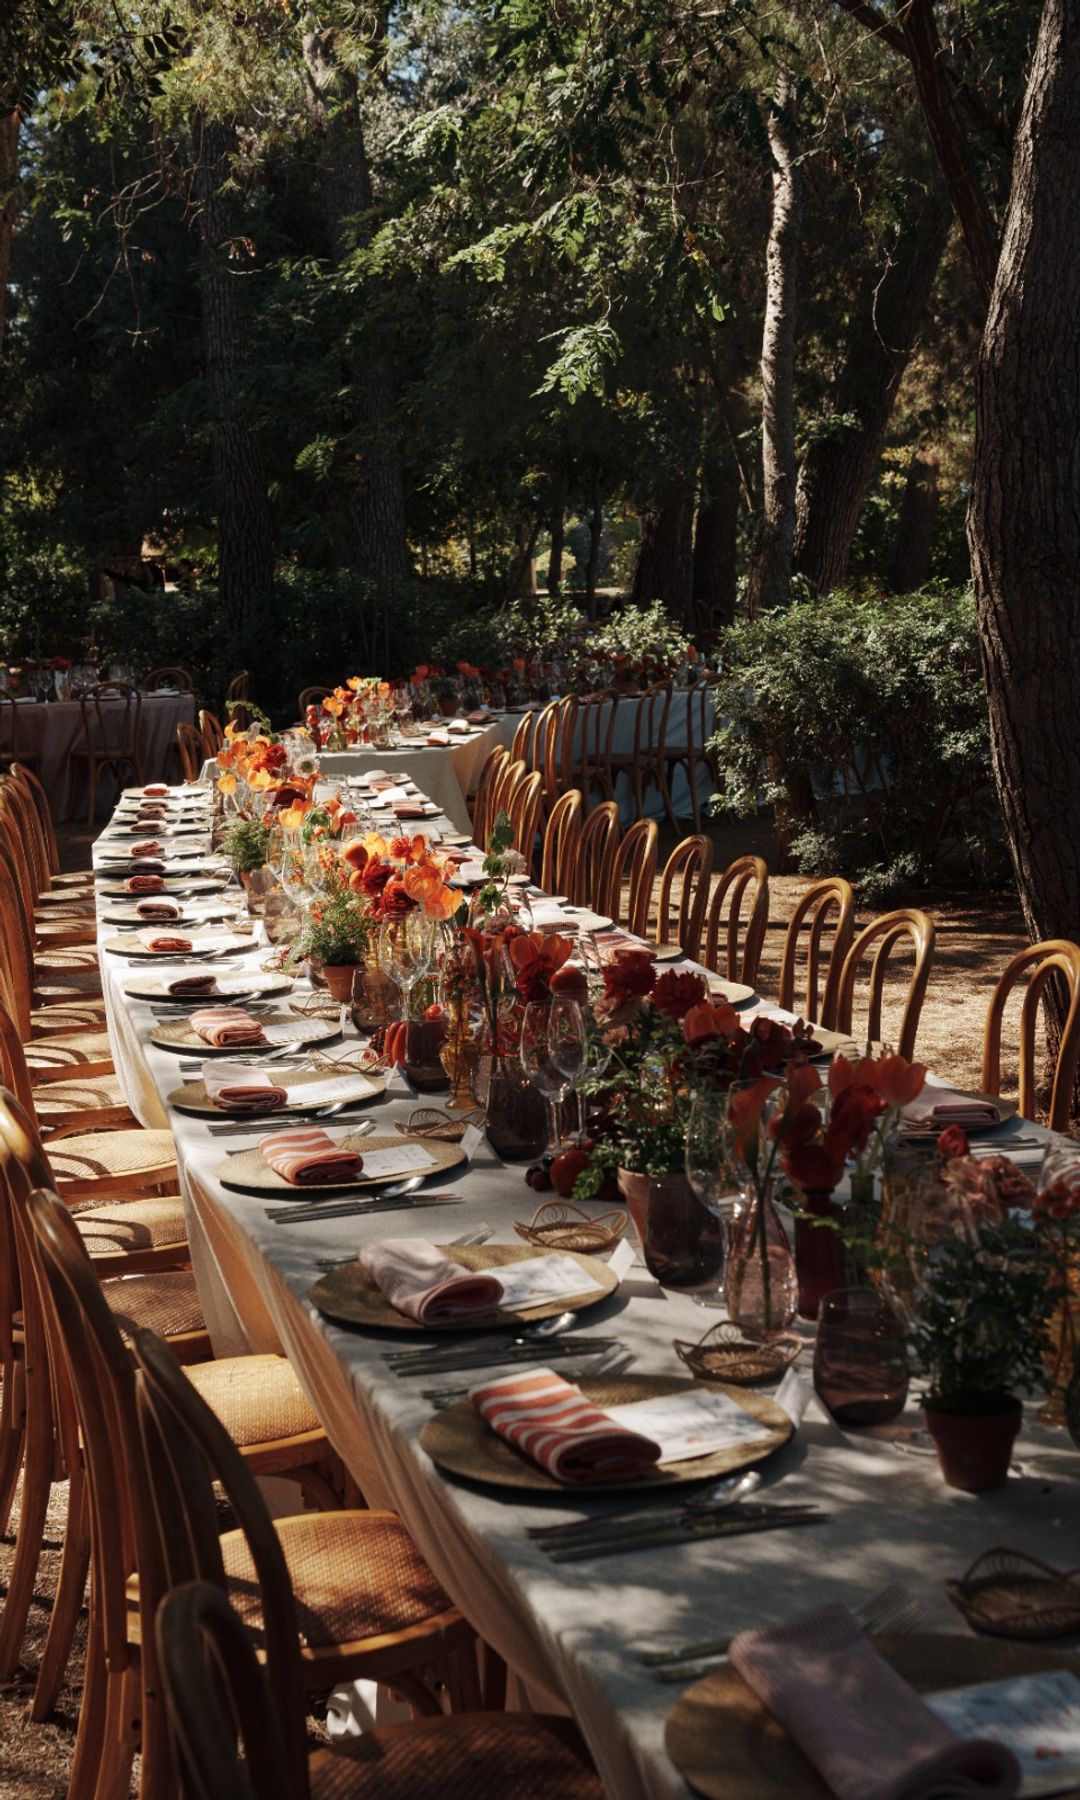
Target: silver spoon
[[529, 1334]]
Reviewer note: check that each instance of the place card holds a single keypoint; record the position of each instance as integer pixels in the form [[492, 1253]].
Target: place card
[[690, 1423], [471, 1140], [543, 1278], [409, 1160], [1037, 1717], [622, 1259], [335, 1087]]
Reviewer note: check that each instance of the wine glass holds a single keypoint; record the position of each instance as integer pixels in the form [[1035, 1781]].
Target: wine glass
[[538, 1057], [292, 871], [406, 947], [708, 1172]]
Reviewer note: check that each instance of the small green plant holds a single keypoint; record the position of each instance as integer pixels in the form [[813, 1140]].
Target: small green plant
[[336, 930], [980, 1330], [642, 633], [245, 844]]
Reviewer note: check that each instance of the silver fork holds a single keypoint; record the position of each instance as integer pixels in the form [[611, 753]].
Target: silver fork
[[894, 1609]]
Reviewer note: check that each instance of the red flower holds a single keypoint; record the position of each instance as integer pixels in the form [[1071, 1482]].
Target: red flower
[[374, 876], [816, 1167], [705, 1022], [395, 901], [852, 1117], [675, 995], [952, 1142], [535, 959], [630, 976]]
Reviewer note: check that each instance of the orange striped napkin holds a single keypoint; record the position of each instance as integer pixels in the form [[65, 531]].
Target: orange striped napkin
[[309, 1157], [240, 1089], [551, 1422], [162, 944], [221, 1025], [420, 1281], [144, 884], [150, 848]]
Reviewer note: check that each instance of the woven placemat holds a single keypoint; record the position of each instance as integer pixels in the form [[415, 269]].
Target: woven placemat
[[130, 945], [191, 1097], [350, 1295], [725, 1354], [178, 1035], [249, 1172], [229, 986], [458, 1440]]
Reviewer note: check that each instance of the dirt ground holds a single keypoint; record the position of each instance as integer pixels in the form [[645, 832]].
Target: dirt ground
[[977, 933]]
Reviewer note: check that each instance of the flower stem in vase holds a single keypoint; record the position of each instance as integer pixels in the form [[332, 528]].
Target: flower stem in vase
[[760, 1289]]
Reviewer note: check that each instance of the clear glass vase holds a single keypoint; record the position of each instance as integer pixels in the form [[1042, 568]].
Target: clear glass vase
[[761, 1288]]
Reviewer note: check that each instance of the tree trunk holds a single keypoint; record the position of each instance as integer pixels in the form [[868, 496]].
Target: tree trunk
[[769, 582], [839, 465], [918, 517], [375, 537], [715, 572], [558, 543], [9, 176], [596, 538], [523, 586], [245, 523], [1024, 517], [664, 567], [938, 98]]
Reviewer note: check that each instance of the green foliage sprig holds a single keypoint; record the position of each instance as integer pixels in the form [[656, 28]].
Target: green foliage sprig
[[246, 843], [980, 1330]]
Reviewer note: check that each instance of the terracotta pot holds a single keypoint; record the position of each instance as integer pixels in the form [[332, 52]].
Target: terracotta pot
[[974, 1448], [339, 979]]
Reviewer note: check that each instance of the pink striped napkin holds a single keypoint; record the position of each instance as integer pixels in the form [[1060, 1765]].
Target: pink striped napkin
[[221, 1025], [150, 848], [553, 1423], [158, 909], [144, 884], [440, 737], [420, 1281], [309, 1157], [163, 944], [241, 1089], [865, 1730]]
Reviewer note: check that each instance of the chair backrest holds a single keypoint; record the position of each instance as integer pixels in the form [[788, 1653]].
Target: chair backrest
[[189, 742], [510, 776], [882, 936], [523, 805], [32, 831], [19, 829], [817, 904], [205, 1655], [596, 724], [213, 736], [521, 748], [535, 739], [598, 848], [174, 677], [311, 696], [687, 870], [495, 763], [1041, 963], [562, 840], [16, 945], [237, 694], [634, 867], [110, 717], [187, 1449], [40, 798], [733, 948], [554, 753]]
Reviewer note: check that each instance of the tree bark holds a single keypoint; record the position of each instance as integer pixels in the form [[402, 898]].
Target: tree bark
[[1024, 516], [839, 465], [246, 553], [915, 532], [596, 538], [375, 536], [9, 206], [715, 570], [664, 567], [558, 544], [769, 582], [938, 98]]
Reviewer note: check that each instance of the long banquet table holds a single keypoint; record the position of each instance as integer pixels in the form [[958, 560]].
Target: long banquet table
[[53, 729], [570, 1631]]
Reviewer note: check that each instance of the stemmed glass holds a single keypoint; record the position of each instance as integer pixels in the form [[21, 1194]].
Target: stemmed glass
[[406, 950], [709, 1174], [553, 1053], [293, 871]]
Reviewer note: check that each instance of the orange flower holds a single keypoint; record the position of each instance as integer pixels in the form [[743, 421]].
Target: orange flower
[[745, 1107], [892, 1078], [354, 855], [227, 784], [293, 816], [708, 1021]]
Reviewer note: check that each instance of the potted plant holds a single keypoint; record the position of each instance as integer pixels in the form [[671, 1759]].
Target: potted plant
[[979, 1336], [334, 939], [245, 845]]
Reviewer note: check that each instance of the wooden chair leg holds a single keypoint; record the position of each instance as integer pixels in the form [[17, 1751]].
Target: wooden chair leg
[[462, 1679], [12, 1438], [67, 1604], [494, 1680], [91, 778], [120, 1737], [90, 1736], [33, 1511]]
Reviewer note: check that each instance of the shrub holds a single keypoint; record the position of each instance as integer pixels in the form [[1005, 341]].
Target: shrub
[[866, 719]]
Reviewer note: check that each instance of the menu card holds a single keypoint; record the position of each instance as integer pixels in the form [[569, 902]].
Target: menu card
[[409, 1160], [690, 1423], [543, 1278], [1036, 1716]]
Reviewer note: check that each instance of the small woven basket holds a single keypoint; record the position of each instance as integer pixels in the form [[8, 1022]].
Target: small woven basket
[[364, 1061], [1007, 1593], [315, 1006], [555, 1227], [432, 1122], [726, 1354]]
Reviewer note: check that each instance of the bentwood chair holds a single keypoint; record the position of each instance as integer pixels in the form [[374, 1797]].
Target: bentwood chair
[[311, 696], [12, 750], [562, 842], [815, 910], [111, 717], [598, 848], [689, 750], [495, 763], [596, 725], [633, 872], [733, 948], [907, 925], [643, 763], [213, 736], [523, 805], [192, 749], [521, 749], [216, 1694], [237, 695], [170, 677], [553, 750], [1056, 960], [686, 872]]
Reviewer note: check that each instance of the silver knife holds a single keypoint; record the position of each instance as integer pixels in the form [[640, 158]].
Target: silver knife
[[699, 1526]]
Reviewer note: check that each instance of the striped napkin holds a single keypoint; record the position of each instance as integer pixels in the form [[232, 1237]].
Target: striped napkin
[[162, 944], [550, 1421], [158, 909], [150, 848], [309, 1157], [242, 1089], [144, 884], [868, 1733], [221, 1025], [192, 984], [421, 1282], [147, 866]]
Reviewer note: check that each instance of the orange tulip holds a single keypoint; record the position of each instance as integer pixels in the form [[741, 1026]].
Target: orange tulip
[[892, 1078], [227, 784]]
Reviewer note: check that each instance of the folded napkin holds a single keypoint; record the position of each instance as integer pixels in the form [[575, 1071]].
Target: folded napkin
[[155, 788], [420, 1281], [441, 737], [937, 1107], [162, 944], [310, 1158], [221, 1025], [408, 809], [158, 909], [147, 865], [479, 717], [242, 1089], [550, 1421], [193, 984], [865, 1730], [152, 809], [144, 884], [461, 728], [151, 847]]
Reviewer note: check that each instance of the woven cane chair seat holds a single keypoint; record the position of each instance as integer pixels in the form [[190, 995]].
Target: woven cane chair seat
[[69, 1051], [125, 1158], [119, 1227], [257, 1398], [88, 1093], [355, 1575], [66, 1015], [167, 1303], [517, 1758], [58, 986], [64, 932]]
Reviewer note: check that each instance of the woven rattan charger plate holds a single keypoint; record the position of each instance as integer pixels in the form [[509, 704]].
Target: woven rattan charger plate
[[350, 1296], [210, 913], [178, 1035], [172, 885], [724, 1743], [460, 1442], [247, 1172], [191, 1098], [222, 945], [230, 987], [1006, 1110]]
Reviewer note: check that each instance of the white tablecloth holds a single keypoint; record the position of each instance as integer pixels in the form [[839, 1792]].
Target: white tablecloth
[[447, 775], [570, 1631], [55, 729]]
